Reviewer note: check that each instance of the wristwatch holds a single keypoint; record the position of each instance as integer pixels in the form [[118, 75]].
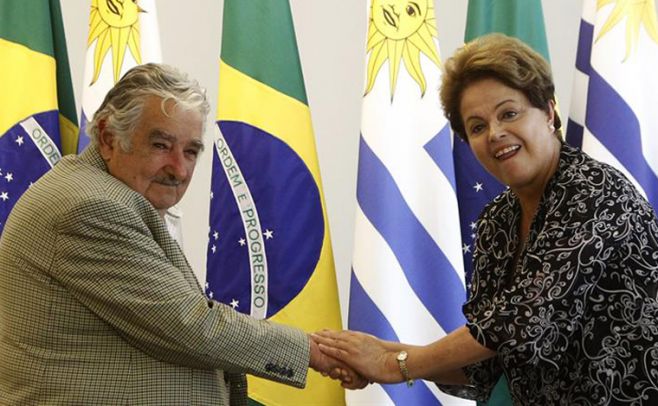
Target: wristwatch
[[402, 363]]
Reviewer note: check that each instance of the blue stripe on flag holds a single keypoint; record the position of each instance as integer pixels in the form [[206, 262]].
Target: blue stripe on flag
[[575, 134], [575, 130], [584, 52], [365, 316], [427, 269], [440, 150], [613, 122]]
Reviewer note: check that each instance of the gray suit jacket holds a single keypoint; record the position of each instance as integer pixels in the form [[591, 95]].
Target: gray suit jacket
[[98, 305]]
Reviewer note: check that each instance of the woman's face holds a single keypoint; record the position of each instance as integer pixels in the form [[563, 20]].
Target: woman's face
[[511, 138]]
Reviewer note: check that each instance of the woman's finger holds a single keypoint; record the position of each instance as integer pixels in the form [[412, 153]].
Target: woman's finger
[[334, 352]]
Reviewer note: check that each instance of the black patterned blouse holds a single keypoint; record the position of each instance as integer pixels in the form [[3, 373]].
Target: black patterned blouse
[[576, 321]]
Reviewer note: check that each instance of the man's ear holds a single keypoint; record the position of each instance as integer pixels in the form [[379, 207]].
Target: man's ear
[[105, 141]]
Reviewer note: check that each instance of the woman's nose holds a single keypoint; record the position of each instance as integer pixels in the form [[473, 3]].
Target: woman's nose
[[496, 131]]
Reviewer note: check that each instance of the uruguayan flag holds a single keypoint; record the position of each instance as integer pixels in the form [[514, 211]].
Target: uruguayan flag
[[407, 282], [121, 36], [615, 93]]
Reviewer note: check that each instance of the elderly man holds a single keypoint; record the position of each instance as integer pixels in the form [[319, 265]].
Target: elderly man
[[97, 302]]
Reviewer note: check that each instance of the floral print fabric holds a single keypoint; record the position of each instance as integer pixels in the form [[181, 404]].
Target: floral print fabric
[[575, 320]]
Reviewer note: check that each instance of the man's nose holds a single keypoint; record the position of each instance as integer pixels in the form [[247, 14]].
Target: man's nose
[[177, 164]]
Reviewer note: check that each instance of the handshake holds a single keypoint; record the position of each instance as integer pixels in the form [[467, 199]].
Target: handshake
[[354, 358], [357, 359]]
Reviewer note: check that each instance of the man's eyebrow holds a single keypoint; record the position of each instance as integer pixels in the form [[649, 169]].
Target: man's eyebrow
[[160, 134], [198, 144]]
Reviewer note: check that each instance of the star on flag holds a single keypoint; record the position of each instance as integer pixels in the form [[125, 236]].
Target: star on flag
[[235, 303], [478, 187]]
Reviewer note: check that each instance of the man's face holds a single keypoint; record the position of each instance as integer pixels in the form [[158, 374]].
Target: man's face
[[162, 155]]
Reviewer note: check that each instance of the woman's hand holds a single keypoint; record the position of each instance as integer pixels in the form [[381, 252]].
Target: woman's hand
[[369, 356], [334, 368]]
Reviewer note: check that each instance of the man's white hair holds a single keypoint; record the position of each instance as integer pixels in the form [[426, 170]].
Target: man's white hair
[[123, 104]]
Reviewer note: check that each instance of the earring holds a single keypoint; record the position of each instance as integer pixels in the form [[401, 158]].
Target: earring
[[551, 127]]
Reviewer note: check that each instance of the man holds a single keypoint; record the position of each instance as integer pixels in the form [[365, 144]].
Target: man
[[97, 302]]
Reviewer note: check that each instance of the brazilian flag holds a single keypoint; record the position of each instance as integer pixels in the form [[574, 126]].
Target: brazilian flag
[[37, 108], [269, 251], [523, 19]]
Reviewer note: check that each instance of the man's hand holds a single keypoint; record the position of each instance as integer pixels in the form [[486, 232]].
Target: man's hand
[[333, 368]]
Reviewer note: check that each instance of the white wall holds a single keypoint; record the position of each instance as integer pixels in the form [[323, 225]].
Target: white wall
[[331, 37]]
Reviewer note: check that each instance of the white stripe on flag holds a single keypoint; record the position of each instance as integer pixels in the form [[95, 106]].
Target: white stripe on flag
[[398, 136], [633, 77], [578, 107], [42, 140], [371, 395], [251, 224], [598, 151], [386, 284]]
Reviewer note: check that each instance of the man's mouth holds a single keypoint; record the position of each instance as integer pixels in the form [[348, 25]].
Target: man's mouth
[[168, 182]]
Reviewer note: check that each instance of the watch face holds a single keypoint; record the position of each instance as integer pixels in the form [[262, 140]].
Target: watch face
[[402, 355]]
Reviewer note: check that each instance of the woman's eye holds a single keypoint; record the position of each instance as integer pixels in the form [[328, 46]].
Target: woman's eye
[[476, 129], [509, 114]]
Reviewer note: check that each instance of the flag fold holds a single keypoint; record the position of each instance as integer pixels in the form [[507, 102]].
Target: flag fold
[[269, 250], [407, 281], [37, 123]]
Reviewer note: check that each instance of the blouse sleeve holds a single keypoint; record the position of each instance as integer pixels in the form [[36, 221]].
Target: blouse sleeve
[[483, 377]]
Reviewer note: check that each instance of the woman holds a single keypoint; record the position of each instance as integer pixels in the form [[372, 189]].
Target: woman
[[563, 299]]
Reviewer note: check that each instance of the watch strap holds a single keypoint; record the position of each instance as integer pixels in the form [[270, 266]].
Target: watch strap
[[402, 363]]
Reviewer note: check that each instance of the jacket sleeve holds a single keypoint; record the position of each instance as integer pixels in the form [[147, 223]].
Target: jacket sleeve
[[107, 258]]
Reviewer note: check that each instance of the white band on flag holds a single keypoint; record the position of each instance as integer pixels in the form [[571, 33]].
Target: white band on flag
[[42, 140], [250, 221]]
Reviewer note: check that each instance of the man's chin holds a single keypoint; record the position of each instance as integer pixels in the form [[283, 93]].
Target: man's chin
[[162, 205]]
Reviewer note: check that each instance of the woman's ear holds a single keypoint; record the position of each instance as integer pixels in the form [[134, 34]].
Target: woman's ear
[[551, 111]]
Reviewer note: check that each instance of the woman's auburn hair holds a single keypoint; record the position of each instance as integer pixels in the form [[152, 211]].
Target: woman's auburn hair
[[499, 57]]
